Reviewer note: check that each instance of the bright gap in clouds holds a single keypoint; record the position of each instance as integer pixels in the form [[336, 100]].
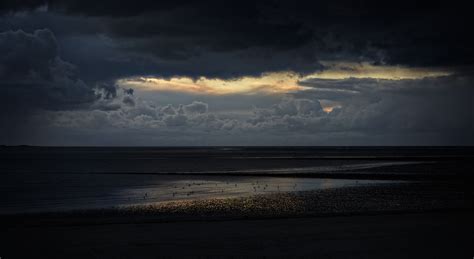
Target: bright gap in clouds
[[278, 82]]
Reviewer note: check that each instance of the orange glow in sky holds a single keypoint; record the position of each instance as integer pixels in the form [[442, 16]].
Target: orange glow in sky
[[277, 82]]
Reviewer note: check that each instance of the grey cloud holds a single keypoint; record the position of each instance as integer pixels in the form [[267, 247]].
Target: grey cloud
[[128, 101], [129, 91], [109, 90], [435, 105], [415, 111], [175, 120], [298, 107], [35, 78], [168, 110], [34, 75], [195, 108], [383, 116], [348, 88]]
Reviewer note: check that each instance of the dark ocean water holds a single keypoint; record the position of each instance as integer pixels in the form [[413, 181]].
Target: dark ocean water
[[35, 179]]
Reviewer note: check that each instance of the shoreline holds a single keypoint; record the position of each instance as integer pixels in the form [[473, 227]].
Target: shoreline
[[423, 219], [410, 197]]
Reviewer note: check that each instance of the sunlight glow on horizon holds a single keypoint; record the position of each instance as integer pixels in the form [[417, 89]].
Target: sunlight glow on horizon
[[278, 82]]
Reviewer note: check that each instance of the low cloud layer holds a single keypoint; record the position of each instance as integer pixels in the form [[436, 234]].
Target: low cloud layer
[[377, 112]]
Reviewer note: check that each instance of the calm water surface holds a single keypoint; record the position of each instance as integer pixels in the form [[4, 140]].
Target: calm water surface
[[52, 179]]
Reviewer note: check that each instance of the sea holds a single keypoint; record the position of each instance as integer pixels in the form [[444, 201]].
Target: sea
[[52, 179]]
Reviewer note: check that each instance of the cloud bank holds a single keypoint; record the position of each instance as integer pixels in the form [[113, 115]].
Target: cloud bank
[[241, 73]]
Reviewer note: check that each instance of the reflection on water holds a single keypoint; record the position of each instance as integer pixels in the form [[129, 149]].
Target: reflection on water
[[231, 187], [81, 192]]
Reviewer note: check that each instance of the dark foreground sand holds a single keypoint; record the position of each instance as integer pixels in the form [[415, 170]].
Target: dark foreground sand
[[428, 220]]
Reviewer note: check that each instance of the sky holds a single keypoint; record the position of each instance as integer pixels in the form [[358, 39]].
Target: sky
[[211, 73]]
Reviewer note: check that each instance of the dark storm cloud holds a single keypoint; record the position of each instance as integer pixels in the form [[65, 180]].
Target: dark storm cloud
[[12, 5], [396, 34], [188, 40], [34, 75], [231, 39]]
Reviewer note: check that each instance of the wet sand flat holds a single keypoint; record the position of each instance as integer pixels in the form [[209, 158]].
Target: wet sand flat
[[316, 202], [426, 235], [416, 220]]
